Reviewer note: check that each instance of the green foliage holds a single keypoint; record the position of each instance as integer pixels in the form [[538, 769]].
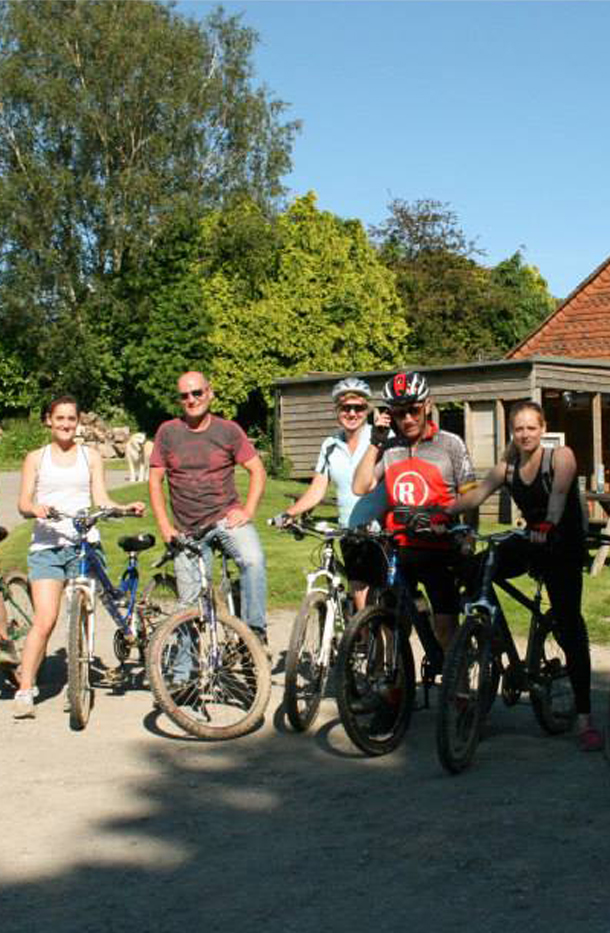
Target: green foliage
[[523, 299], [115, 118], [252, 299], [457, 309], [19, 436], [418, 228], [17, 388]]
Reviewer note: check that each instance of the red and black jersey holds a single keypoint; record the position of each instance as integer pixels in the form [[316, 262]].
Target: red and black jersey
[[430, 472]]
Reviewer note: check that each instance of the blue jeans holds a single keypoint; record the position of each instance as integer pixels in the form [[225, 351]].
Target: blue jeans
[[244, 546]]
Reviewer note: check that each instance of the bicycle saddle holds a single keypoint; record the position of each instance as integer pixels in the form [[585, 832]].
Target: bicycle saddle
[[141, 542]]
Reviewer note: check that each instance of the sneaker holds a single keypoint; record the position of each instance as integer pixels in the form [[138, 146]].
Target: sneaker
[[590, 740], [23, 705]]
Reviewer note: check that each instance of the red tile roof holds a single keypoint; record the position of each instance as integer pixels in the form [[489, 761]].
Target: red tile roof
[[579, 327]]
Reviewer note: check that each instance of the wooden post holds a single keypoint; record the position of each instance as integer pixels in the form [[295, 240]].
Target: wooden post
[[468, 427], [277, 430], [500, 429], [598, 454]]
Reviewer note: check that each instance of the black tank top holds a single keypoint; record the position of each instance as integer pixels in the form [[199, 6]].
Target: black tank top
[[533, 500]]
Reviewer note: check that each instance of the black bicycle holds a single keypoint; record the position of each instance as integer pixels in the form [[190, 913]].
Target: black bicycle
[[375, 674], [484, 651]]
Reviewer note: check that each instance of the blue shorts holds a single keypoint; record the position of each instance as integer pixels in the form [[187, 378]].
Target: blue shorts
[[56, 563]]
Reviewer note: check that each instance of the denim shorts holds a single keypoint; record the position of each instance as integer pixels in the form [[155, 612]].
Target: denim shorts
[[56, 563]]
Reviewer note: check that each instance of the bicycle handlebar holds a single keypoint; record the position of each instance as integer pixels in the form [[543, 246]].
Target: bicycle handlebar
[[88, 519], [190, 541], [324, 528]]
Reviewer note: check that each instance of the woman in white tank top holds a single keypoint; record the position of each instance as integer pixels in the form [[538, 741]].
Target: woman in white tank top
[[68, 477]]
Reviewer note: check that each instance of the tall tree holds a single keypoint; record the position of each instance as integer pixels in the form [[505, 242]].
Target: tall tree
[[457, 308], [523, 299], [114, 116], [253, 299]]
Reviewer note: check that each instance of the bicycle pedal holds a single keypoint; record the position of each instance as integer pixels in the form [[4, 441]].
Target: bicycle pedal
[[114, 675]]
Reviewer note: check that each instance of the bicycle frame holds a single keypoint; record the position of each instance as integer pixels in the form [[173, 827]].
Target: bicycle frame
[[488, 601], [407, 608]]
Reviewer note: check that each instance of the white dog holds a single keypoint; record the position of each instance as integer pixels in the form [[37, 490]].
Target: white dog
[[137, 454]]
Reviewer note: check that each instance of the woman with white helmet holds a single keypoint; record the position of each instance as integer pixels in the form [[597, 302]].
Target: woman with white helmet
[[339, 456]]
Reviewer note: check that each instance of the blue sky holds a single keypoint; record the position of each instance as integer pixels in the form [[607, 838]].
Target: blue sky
[[498, 108]]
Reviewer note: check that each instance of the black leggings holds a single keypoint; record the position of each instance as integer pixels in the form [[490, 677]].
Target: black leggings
[[561, 571]]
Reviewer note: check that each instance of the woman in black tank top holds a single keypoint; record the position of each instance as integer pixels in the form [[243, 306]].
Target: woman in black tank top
[[547, 496]]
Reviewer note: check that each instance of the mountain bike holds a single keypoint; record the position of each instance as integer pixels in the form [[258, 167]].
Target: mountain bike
[[376, 681], [15, 591], [134, 617], [483, 643], [318, 625], [208, 671]]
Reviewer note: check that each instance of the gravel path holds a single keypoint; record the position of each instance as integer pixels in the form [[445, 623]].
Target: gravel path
[[132, 826]]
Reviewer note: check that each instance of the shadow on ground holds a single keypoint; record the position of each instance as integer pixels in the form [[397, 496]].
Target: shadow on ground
[[279, 832]]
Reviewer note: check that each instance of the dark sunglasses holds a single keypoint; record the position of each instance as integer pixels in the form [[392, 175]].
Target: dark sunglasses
[[414, 410], [356, 408], [196, 393]]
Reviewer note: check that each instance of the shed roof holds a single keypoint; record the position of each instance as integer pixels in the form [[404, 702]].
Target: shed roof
[[505, 364]]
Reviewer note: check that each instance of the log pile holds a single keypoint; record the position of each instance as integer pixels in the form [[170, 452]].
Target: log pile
[[94, 432]]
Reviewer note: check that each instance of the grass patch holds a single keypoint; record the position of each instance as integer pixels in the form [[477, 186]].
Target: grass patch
[[288, 561]]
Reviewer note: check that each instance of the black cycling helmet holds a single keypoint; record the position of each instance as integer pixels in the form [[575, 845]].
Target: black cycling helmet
[[404, 388]]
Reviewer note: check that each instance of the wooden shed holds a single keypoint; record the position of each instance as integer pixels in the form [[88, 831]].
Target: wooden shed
[[473, 400]]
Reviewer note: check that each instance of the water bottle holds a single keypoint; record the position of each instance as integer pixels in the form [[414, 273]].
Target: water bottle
[[601, 478], [392, 568]]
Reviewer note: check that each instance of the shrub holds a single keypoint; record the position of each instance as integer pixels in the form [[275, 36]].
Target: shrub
[[20, 435]]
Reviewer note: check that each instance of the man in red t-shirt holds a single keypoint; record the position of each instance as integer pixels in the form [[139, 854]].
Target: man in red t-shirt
[[420, 466], [198, 454]]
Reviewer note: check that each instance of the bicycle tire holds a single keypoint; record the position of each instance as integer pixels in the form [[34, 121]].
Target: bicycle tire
[[305, 677], [551, 693], [216, 698], [464, 698], [80, 691], [375, 693], [19, 610]]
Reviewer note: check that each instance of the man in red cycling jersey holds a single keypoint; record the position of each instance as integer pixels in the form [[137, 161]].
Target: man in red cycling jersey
[[420, 466]]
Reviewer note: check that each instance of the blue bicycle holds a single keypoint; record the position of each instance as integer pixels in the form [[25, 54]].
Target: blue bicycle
[[135, 617]]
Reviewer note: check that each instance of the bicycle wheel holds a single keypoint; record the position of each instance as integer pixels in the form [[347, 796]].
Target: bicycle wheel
[[210, 692], [551, 693], [375, 677], [80, 692], [306, 674], [19, 612], [465, 694]]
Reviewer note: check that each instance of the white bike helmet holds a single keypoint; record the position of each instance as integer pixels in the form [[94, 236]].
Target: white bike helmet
[[351, 386], [404, 388]]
